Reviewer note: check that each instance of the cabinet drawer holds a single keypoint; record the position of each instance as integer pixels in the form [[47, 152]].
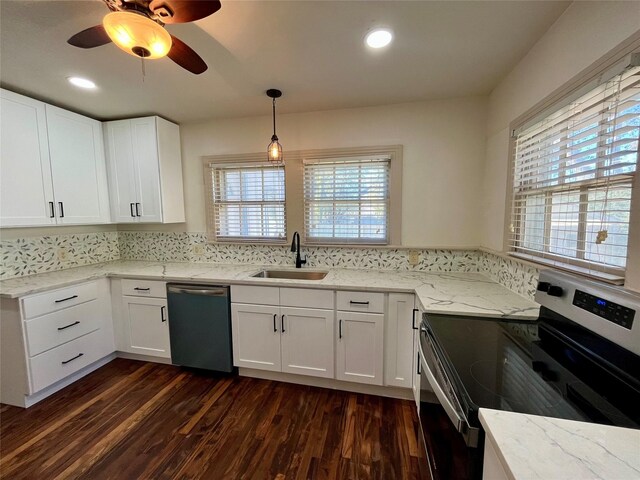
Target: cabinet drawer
[[55, 300], [60, 362], [53, 329], [306, 298], [255, 295], [360, 302], [144, 288]]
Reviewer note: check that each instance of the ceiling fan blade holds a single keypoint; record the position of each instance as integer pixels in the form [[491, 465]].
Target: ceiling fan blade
[[183, 11], [90, 38], [183, 55]]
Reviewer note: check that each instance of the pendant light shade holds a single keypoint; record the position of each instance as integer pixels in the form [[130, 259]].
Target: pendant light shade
[[274, 150]]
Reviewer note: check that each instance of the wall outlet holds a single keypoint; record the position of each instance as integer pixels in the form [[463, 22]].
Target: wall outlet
[[63, 255], [414, 258], [198, 250]]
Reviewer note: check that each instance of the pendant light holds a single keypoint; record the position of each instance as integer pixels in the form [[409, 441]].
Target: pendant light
[[274, 150]]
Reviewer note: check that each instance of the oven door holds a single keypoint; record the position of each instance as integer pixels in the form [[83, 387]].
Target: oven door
[[453, 448]]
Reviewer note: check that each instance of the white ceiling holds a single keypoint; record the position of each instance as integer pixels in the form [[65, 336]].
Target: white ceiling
[[312, 50]]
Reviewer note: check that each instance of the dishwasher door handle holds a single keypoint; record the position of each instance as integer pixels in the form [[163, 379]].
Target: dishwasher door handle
[[209, 292]]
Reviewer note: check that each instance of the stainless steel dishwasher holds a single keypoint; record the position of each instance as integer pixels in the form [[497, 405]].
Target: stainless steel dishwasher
[[200, 326]]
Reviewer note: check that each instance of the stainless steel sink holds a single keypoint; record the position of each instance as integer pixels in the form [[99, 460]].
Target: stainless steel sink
[[291, 274]]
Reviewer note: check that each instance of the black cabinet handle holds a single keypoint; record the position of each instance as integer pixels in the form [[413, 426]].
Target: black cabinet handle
[[282, 324], [61, 206], [72, 359], [358, 303], [137, 209], [52, 210], [131, 210], [162, 316], [340, 329], [70, 325], [419, 370], [413, 320], [141, 289], [65, 299], [275, 327]]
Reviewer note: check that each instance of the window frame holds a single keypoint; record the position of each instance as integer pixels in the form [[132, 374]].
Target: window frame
[[588, 79], [294, 191]]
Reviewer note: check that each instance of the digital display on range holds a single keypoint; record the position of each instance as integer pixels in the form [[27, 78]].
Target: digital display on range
[[611, 311]]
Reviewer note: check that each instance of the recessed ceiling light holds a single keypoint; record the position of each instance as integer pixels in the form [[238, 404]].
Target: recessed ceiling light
[[379, 38], [81, 82]]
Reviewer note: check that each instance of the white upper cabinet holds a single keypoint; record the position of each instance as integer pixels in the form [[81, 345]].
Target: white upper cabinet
[[53, 167], [145, 170], [78, 167], [26, 190]]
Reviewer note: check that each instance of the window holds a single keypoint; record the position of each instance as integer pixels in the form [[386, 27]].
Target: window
[[331, 196], [247, 202], [573, 175], [347, 200]]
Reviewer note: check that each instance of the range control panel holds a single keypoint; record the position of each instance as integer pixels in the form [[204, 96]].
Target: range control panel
[[606, 309]]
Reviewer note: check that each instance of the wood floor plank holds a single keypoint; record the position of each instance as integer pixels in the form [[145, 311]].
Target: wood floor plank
[[132, 420]]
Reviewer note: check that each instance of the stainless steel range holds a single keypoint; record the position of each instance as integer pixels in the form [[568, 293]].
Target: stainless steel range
[[579, 360]]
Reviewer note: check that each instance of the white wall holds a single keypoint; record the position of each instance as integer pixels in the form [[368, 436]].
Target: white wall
[[585, 32], [442, 160]]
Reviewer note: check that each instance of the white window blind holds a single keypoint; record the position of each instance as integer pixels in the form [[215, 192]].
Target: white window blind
[[347, 200], [248, 202], [573, 174]]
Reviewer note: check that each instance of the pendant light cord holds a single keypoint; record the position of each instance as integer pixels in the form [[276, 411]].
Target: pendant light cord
[[274, 116]]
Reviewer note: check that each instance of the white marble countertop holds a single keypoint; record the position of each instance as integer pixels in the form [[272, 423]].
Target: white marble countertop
[[447, 293], [533, 447]]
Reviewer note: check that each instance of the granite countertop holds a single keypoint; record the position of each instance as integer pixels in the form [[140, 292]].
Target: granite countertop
[[533, 447], [446, 293]]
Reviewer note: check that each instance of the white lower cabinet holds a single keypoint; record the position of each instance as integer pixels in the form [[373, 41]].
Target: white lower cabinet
[[256, 336], [360, 355], [398, 339], [146, 326], [307, 341]]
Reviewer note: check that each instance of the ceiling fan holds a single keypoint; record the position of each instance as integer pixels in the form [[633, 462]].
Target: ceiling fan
[[137, 27]]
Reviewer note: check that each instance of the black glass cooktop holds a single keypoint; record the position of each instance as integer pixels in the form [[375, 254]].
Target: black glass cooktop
[[550, 367]]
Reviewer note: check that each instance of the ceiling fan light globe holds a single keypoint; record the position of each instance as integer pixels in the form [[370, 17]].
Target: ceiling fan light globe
[[133, 32]]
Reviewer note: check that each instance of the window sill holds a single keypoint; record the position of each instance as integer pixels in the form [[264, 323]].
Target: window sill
[[585, 272]]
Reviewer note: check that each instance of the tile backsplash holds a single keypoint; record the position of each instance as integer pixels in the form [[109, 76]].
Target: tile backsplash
[[30, 255], [27, 256]]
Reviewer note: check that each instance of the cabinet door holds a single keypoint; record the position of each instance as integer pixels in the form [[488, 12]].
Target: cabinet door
[[146, 327], [256, 336], [360, 347], [26, 192], [121, 170], [145, 152], [307, 341], [78, 167], [399, 340], [416, 364]]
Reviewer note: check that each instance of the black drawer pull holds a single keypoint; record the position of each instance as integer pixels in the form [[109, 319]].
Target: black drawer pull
[[131, 209], [65, 299], [353, 302], [275, 327], [413, 320], [162, 316], [137, 209], [70, 325], [282, 324], [61, 206], [72, 359], [52, 210], [142, 289]]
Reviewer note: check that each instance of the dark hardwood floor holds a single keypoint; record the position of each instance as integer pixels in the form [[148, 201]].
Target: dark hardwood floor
[[131, 420]]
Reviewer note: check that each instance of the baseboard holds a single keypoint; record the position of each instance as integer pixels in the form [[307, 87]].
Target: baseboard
[[143, 358], [393, 392]]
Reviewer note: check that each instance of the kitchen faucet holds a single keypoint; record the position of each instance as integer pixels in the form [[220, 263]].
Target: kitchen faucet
[[295, 247]]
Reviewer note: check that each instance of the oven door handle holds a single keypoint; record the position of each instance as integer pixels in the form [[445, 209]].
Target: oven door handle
[[458, 422]]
